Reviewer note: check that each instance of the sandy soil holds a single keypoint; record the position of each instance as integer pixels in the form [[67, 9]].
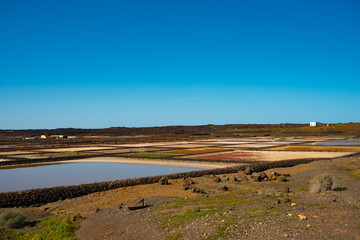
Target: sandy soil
[[258, 143], [196, 150], [145, 144], [188, 145], [280, 155], [230, 142], [251, 145], [75, 149], [127, 150], [319, 148], [222, 140], [165, 144], [282, 142], [268, 155], [268, 139]]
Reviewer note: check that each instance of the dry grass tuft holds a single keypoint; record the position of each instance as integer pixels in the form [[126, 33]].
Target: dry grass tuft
[[321, 183]]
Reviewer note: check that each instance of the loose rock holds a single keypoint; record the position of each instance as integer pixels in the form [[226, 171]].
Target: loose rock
[[282, 179], [287, 200], [198, 190], [233, 179], [217, 179], [263, 175], [188, 181], [163, 181], [248, 171], [256, 178], [224, 188], [224, 178], [187, 186]]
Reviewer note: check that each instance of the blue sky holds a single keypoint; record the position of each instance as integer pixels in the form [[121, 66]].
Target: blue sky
[[97, 64]]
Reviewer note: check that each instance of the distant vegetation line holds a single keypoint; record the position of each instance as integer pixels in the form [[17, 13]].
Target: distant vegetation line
[[221, 130]]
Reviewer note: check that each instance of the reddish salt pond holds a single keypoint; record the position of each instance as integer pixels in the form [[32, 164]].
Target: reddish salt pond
[[235, 156]]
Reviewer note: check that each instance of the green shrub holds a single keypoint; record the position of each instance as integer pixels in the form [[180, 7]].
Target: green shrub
[[321, 183], [56, 228], [12, 219], [53, 228]]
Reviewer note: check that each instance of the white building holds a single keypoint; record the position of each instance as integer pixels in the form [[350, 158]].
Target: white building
[[315, 124], [57, 136]]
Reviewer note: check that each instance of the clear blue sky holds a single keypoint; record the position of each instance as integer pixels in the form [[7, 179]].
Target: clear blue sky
[[97, 64]]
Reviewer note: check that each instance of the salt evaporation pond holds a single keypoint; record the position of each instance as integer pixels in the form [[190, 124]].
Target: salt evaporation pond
[[65, 174], [339, 143]]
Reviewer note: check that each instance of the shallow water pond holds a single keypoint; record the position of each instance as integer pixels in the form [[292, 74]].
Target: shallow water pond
[[24, 178], [339, 143]]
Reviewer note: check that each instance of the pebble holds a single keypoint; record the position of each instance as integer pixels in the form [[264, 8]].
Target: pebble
[[293, 204], [290, 214], [308, 225], [302, 217]]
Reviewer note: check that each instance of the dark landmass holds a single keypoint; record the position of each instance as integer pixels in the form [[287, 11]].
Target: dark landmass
[[228, 130]]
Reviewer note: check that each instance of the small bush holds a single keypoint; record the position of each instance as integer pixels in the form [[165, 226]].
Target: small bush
[[321, 183], [13, 219]]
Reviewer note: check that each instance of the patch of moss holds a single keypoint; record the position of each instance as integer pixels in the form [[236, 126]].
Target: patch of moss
[[13, 219], [55, 228], [230, 199], [176, 236], [314, 205], [175, 221], [355, 173]]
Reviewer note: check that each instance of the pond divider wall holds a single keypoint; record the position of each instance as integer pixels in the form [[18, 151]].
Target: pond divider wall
[[37, 197], [24, 161]]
